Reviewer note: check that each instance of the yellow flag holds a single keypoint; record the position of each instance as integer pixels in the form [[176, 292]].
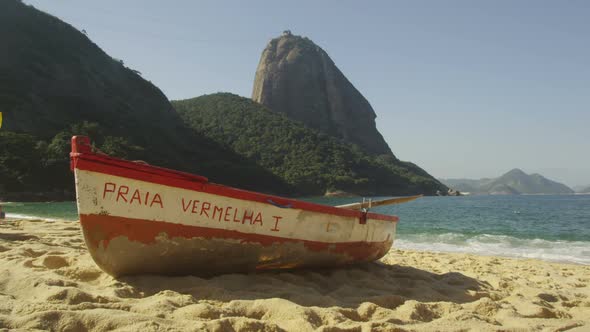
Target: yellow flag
[[0, 119]]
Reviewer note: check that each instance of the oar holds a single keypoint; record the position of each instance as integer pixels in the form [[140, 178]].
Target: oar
[[388, 201]]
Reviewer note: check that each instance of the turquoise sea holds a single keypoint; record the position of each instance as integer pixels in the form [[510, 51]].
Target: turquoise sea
[[555, 228]]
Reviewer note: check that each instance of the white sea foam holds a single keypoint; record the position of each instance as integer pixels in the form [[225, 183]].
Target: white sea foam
[[499, 245], [29, 217]]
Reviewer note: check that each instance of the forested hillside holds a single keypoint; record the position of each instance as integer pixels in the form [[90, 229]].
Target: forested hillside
[[310, 161], [55, 82]]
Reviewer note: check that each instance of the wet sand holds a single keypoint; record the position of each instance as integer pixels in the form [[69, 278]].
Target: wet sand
[[48, 281]]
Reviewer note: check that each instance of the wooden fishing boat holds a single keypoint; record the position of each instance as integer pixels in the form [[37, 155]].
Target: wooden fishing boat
[[137, 218]]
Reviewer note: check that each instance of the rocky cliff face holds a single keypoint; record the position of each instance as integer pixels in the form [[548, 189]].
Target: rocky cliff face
[[297, 77]]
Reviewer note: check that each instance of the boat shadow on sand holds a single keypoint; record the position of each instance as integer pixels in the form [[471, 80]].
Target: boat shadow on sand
[[385, 285]]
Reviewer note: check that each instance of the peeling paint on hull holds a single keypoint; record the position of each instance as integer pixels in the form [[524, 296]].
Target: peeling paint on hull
[[119, 250]]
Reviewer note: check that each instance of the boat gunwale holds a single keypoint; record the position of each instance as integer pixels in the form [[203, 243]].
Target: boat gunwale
[[94, 162]]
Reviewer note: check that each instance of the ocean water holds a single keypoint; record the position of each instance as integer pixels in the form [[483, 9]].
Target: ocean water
[[555, 228], [47, 211], [548, 227]]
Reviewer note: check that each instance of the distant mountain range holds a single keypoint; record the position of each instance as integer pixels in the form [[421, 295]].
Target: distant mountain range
[[514, 182], [582, 189]]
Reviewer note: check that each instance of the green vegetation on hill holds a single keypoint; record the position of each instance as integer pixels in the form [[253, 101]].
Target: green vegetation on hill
[[37, 169], [54, 82], [32, 165], [310, 161]]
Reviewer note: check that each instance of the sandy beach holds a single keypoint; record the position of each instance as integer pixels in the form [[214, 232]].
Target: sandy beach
[[48, 281]]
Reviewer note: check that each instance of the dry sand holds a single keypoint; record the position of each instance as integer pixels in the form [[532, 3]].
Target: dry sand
[[49, 282]]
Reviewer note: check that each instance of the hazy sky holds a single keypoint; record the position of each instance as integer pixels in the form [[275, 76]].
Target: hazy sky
[[461, 88]]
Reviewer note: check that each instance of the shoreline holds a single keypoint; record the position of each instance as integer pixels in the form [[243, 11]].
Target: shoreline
[[563, 262], [50, 282], [526, 251]]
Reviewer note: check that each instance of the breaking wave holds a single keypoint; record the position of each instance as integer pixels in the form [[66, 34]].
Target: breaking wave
[[498, 245], [28, 217]]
